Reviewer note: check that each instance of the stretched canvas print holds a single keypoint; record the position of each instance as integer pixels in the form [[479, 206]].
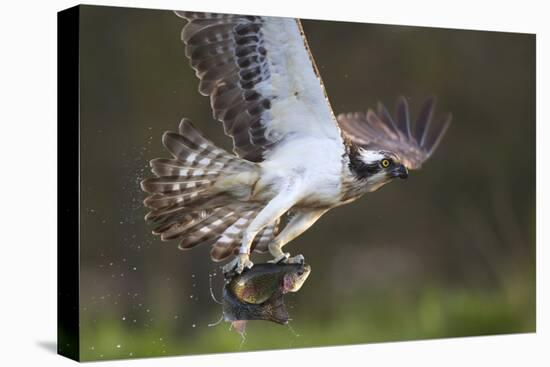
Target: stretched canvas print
[[241, 182]]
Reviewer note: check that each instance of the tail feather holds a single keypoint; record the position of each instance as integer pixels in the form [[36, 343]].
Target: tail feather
[[176, 229], [194, 150], [185, 202], [158, 201], [208, 229], [175, 184], [164, 222], [173, 167], [265, 237], [231, 236], [200, 154], [229, 242], [165, 214]]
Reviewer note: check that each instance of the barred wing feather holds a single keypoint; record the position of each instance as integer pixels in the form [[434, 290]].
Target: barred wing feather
[[261, 79]]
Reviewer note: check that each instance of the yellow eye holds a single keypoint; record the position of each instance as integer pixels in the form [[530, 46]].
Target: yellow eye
[[385, 163]]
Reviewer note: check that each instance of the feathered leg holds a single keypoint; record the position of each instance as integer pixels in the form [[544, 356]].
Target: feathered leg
[[278, 206], [297, 225]]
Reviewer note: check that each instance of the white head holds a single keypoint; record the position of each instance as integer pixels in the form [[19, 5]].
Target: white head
[[376, 167]]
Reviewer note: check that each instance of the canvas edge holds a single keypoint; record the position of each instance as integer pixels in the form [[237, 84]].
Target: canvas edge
[[68, 187]]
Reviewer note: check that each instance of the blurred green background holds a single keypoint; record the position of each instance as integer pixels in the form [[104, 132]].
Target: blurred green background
[[450, 252]]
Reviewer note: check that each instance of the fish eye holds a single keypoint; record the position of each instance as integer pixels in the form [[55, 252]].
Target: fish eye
[[385, 163]]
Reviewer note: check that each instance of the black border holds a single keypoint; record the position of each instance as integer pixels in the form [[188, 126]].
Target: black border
[[68, 190]]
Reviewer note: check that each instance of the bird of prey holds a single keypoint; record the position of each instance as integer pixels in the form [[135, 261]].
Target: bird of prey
[[291, 154]]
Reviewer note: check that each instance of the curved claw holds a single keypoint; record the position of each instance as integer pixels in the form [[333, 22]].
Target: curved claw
[[238, 264], [298, 259], [280, 259], [286, 259]]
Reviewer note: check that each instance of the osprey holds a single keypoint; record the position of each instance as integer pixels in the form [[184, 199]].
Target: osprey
[[292, 155]]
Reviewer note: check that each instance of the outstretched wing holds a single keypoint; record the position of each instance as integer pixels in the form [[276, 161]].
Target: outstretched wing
[[414, 144], [261, 79]]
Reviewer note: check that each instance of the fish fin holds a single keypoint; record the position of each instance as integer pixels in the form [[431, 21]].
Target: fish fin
[[275, 310], [239, 326]]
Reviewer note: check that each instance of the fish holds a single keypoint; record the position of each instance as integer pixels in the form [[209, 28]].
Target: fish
[[258, 293]]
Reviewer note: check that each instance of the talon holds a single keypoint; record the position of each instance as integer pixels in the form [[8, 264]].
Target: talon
[[238, 264], [282, 258], [298, 259], [229, 267]]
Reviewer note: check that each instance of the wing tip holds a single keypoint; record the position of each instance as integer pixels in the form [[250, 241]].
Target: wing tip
[[185, 125], [188, 15], [180, 14], [403, 100], [445, 125], [166, 138], [426, 138]]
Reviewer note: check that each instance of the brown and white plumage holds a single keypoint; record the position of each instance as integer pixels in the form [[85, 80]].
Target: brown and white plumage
[[414, 143], [260, 77], [184, 201], [291, 156]]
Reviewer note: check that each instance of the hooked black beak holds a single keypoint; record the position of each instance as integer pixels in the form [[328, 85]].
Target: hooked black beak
[[400, 171]]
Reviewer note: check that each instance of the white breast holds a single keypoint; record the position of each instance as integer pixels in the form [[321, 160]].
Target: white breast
[[315, 164]]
